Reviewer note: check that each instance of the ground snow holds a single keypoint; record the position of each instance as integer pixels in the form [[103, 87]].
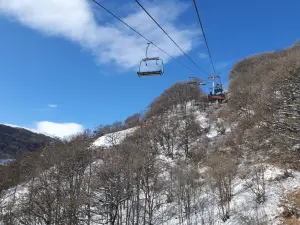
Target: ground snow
[[202, 119], [113, 138], [244, 209], [16, 193], [5, 161], [212, 132]]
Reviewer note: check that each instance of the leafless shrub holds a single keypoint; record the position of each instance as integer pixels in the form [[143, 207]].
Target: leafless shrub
[[222, 172], [133, 120], [178, 94], [255, 216], [297, 43], [257, 184]]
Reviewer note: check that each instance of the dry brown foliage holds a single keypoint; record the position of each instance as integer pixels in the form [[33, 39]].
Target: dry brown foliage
[[265, 101], [291, 206]]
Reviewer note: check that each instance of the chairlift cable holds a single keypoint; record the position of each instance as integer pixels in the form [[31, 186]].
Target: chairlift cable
[[205, 39], [217, 93], [169, 36], [100, 5]]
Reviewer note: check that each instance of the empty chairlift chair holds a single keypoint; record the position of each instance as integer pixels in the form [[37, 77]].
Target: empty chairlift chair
[[151, 66], [196, 81]]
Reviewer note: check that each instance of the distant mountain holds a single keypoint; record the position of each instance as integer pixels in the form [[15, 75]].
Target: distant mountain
[[15, 141]]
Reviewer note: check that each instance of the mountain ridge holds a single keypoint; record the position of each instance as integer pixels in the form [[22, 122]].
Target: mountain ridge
[[14, 141]]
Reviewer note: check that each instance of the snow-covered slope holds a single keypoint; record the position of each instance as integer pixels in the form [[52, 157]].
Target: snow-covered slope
[[113, 138], [244, 205], [244, 208]]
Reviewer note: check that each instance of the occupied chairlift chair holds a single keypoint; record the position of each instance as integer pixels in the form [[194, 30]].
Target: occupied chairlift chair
[[159, 64], [218, 92]]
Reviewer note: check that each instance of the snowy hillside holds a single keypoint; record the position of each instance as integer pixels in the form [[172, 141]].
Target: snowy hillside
[[244, 208], [205, 207]]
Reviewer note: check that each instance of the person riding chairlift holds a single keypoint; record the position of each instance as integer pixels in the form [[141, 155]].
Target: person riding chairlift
[[218, 89]]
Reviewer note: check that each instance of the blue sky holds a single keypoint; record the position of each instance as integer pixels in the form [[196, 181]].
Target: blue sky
[[69, 63]]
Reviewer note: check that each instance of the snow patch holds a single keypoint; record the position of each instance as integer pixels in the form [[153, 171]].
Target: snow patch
[[212, 132], [113, 138], [5, 161], [202, 119]]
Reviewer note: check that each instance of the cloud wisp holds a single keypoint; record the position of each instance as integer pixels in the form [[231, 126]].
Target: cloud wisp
[[110, 41], [52, 106], [61, 130], [49, 107]]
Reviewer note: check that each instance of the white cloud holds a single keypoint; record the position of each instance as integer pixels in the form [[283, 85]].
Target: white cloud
[[52, 106], [61, 130], [110, 41]]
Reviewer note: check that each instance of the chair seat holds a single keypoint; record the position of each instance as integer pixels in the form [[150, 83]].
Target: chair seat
[[150, 73]]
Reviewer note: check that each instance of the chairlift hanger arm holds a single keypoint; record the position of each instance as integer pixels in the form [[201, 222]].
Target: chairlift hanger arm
[[148, 44]]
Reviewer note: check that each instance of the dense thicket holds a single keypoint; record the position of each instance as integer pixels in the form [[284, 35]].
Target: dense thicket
[[265, 101], [178, 94]]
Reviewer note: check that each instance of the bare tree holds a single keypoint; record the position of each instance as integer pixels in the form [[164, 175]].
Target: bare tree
[[133, 120], [190, 131], [257, 184], [187, 189], [222, 172]]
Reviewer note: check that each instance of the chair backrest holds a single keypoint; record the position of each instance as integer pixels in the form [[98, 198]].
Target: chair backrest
[[151, 72]]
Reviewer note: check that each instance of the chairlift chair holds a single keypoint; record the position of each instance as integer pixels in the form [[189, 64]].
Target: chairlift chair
[[196, 81], [144, 62], [217, 93]]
